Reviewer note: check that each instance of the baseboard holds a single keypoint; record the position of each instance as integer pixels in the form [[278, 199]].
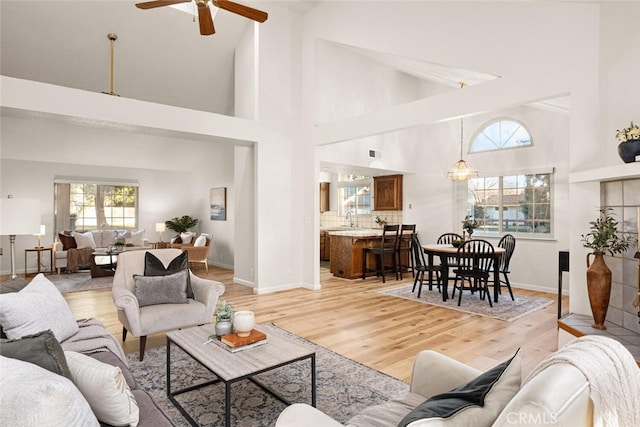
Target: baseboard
[[537, 288], [221, 265]]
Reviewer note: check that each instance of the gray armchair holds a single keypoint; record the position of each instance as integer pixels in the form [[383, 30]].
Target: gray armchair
[[151, 319]]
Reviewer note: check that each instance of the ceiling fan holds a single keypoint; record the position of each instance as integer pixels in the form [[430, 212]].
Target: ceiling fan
[[204, 13]]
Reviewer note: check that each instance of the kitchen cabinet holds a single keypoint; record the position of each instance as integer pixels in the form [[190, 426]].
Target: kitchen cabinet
[[325, 245], [325, 197], [387, 192], [346, 252]]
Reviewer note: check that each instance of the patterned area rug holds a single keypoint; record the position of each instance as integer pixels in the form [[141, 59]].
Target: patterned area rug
[[81, 281], [505, 309], [344, 387]]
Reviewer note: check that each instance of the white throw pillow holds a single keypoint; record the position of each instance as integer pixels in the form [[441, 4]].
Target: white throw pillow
[[187, 237], [105, 388], [33, 396], [200, 241], [37, 307], [137, 238], [108, 238], [84, 240]]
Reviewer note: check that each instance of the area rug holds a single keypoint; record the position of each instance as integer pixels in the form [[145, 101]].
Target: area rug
[[344, 387], [504, 309], [81, 281]]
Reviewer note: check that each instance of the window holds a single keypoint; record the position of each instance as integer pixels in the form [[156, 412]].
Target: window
[[354, 195], [500, 134], [90, 206], [512, 203]]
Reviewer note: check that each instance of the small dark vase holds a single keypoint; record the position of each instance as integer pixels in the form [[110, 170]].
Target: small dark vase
[[598, 288], [629, 150]]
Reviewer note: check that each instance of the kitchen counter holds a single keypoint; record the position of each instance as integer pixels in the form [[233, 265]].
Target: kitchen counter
[[346, 257], [356, 232]]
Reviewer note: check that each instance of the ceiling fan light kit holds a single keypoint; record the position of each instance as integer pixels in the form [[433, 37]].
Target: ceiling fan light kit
[[204, 12]]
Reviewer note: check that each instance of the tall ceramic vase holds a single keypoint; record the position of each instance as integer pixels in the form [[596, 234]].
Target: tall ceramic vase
[[599, 288]]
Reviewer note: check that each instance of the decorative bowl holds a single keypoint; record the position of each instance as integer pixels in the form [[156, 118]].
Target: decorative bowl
[[457, 243], [243, 322]]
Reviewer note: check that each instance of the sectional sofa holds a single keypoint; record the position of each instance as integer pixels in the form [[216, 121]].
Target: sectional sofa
[[59, 371], [96, 240]]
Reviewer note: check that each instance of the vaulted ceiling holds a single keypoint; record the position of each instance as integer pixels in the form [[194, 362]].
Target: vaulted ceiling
[[159, 55]]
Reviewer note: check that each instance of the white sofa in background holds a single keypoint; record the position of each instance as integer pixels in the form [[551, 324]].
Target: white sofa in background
[[557, 393], [100, 239]]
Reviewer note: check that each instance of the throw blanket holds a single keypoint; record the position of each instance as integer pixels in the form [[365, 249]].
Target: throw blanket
[[78, 258], [613, 376], [93, 337]]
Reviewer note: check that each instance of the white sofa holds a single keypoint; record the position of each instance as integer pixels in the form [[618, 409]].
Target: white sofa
[[102, 239], [557, 393]]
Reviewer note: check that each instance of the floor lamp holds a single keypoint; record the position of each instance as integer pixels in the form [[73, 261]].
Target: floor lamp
[[18, 216]]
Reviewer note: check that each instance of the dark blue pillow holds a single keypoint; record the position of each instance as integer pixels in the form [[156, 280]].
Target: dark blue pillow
[[474, 392], [154, 267]]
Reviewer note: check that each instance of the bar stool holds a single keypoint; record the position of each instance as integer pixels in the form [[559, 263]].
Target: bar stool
[[403, 250], [386, 246]]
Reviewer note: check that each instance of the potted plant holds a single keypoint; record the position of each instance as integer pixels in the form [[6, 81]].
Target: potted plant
[[181, 224], [224, 315], [603, 237], [468, 225], [629, 147]]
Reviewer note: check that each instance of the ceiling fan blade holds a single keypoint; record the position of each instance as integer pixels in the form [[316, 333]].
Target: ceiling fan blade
[[246, 11], [159, 3], [205, 19]]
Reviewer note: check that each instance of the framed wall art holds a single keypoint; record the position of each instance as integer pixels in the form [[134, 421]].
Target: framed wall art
[[218, 203]]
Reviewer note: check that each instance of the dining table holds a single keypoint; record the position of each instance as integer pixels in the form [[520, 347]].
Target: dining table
[[444, 251]]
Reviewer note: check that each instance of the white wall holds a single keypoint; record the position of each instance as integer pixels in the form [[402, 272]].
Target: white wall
[[613, 102], [175, 175]]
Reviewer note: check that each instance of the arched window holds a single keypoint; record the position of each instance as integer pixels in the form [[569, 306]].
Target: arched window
[[500, 134]]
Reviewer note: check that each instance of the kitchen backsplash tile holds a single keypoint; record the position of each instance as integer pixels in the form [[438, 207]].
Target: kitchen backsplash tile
[[331, 219]]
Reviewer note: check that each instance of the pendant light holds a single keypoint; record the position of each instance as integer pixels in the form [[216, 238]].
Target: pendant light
[[462, 170]]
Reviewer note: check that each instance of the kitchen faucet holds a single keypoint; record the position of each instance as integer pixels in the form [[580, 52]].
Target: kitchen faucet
[[349, 215]]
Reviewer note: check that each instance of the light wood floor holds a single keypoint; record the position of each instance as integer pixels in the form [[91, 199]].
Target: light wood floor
[[351, 318]]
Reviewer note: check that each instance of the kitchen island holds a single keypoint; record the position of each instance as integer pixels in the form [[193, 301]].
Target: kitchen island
[[346, 251]]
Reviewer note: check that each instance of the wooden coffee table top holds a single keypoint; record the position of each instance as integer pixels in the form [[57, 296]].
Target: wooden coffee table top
[[229, 366]]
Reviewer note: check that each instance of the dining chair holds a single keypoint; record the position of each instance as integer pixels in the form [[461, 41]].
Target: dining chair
[[448, 239], [384, 248], [421, 267], [403, 249], [508, 242], [475, 266]]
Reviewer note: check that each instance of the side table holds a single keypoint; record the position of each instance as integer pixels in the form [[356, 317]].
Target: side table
[[38, 252], [159, 245]]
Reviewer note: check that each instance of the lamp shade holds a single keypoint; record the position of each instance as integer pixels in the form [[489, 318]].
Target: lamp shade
[[43, 230], [19, 216], [461, 171], [160, 227]]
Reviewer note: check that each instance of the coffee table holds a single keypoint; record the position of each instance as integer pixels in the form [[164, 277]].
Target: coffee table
[[103, 264], [232, 367]]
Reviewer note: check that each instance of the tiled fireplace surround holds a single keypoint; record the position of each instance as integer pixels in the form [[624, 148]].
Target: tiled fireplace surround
[[623, 196]]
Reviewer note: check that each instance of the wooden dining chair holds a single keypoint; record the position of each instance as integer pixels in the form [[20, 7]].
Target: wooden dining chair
[[421, 267], [508, 242], [448, 239], [384, 248], [474, 266], [403, 249]]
